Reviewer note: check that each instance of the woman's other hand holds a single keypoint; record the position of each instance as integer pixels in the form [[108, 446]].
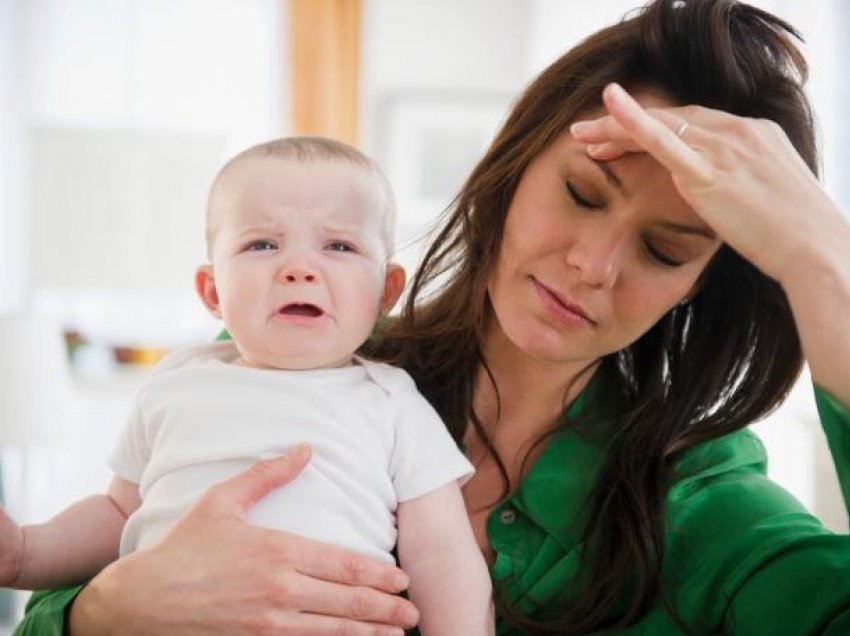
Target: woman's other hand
[[214, 573], [741, 175], [11, 549]]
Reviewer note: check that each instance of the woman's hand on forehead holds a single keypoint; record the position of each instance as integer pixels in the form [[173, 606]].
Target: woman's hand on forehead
[[741, 175]]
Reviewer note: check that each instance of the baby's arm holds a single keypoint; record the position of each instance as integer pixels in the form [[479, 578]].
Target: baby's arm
[[72, 547], [449, 581]]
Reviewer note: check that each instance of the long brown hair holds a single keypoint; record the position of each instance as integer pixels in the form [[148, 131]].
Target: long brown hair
[[709, 367]]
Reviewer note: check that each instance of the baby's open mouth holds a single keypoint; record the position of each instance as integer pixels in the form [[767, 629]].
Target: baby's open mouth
[[301, 309]]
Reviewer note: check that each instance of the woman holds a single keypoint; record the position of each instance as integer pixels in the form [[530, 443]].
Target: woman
[[629, 285]]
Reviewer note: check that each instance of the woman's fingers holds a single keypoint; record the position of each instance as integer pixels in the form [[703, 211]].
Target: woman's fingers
[[611, 150], [307, 625], [657, 135], [239, 494], [330, 563], [604, 129], [316, 579], [237, 579], [663, 132], [355, 569], [607, 139], [236, 497], [359, 603]]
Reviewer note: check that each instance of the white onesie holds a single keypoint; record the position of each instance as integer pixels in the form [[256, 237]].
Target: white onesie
[[200, 419]]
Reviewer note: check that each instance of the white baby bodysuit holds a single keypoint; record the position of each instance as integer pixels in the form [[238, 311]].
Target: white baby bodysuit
[[201, 419]]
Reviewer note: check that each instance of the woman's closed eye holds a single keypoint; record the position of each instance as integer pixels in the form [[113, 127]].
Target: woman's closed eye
[[658, 255], [653, 251], [582, 200], [661, 257]]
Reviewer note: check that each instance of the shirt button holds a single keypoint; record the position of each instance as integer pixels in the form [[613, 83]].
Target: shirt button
[[507, 516]]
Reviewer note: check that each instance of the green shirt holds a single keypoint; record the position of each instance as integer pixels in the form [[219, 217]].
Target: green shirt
[[742, 555]]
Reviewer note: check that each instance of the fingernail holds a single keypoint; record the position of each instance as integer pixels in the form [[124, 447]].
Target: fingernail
[[618, 93], [395, 631], [292, 451], [401, 581], [298, 449], [410, 616], [615, 90], [578, 127]]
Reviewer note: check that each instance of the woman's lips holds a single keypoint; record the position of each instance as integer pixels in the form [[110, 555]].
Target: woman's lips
[[565, 311]]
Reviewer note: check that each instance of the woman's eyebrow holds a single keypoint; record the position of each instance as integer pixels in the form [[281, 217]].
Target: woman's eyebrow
[[612, 177], [697, 230]]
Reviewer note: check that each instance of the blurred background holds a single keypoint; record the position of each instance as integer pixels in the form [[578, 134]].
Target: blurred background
[[116, 114]]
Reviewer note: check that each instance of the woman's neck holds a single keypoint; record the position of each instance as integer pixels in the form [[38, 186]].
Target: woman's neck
[[532, 393]]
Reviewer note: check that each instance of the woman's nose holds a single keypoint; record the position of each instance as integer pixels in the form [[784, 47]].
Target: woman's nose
[[597, 256]]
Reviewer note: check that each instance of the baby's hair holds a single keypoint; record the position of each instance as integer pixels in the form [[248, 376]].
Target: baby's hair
[[306, 149]]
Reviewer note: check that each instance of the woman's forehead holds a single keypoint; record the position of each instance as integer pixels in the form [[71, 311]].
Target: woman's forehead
[[635, 176]]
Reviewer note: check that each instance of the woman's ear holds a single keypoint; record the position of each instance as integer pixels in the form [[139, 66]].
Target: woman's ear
[[394, 280], [205, 287]]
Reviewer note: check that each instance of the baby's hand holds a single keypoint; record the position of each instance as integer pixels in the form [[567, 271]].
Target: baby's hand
[[11, 549]]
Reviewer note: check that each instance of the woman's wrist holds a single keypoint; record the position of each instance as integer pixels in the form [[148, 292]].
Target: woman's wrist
[[85, 615], [96, 609], [816, 277], [817, 283], [820, 253]]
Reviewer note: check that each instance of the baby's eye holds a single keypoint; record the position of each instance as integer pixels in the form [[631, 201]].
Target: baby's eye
[[260, 245], [340, 246]]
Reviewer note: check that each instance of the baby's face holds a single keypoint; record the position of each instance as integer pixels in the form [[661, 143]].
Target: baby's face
[[298, 260]]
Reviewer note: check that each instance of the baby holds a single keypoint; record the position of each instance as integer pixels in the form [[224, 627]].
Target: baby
[[299, 235]]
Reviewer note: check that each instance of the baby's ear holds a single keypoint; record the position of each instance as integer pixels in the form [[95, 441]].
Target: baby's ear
[[394, 280], [205, 287]]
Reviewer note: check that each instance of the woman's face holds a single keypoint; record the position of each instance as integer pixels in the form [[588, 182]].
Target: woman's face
[[593, 254]]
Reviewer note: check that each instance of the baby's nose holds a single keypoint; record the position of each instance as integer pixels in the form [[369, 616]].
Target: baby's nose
[[297, 275]]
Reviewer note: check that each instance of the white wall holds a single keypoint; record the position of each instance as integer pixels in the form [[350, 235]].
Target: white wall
[[13, 84], [444, 44], [182, 65], [437, 79], [116, 116], [557, 25]]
